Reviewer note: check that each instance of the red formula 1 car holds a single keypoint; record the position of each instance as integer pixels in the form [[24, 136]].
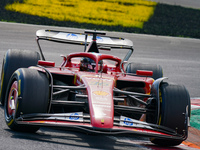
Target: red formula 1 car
[[92, 92]]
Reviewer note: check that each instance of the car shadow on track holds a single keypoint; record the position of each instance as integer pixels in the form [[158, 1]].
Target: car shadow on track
[[72, 139], [69, 139], [65, 139]]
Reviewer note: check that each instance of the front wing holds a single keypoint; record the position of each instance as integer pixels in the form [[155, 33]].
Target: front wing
[[81, 122]]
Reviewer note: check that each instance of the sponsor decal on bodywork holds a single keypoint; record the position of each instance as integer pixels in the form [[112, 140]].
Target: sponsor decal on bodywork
[[71, 36], [76, 116], [99, 81], [99, 39], [101, 93], [125, 121]]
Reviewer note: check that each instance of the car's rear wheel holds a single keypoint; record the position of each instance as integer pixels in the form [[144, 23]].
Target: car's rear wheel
[[157, 69], [27, 92], [13, 60], [174, 100]]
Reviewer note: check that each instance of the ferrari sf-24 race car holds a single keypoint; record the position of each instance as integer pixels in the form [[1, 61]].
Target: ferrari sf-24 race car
[[92, 92]]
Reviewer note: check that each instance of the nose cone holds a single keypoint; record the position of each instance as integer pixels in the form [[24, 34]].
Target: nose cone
[[100, 99], [102, 109]]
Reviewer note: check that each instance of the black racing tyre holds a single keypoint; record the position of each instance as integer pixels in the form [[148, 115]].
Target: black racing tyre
[[174, 99], [27, 92], [13, 60], [157, 69]]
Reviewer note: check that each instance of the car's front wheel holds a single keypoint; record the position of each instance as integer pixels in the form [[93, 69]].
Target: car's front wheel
[[174, 103], [27, 92]]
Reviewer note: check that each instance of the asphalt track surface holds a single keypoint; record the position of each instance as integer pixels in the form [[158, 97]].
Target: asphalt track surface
[[184, 3], [179, 58]]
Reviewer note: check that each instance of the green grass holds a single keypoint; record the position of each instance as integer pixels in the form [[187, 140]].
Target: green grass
[[167, 20], [195, 119]]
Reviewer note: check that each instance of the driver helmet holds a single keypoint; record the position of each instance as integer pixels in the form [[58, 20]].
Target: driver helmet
[[88, 64]]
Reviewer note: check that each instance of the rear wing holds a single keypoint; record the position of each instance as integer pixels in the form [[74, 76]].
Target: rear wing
[[102, 41], [79, 38]]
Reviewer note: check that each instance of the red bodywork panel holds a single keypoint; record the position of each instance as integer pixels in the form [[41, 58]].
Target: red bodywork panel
[[99, 85], [100, 97]]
